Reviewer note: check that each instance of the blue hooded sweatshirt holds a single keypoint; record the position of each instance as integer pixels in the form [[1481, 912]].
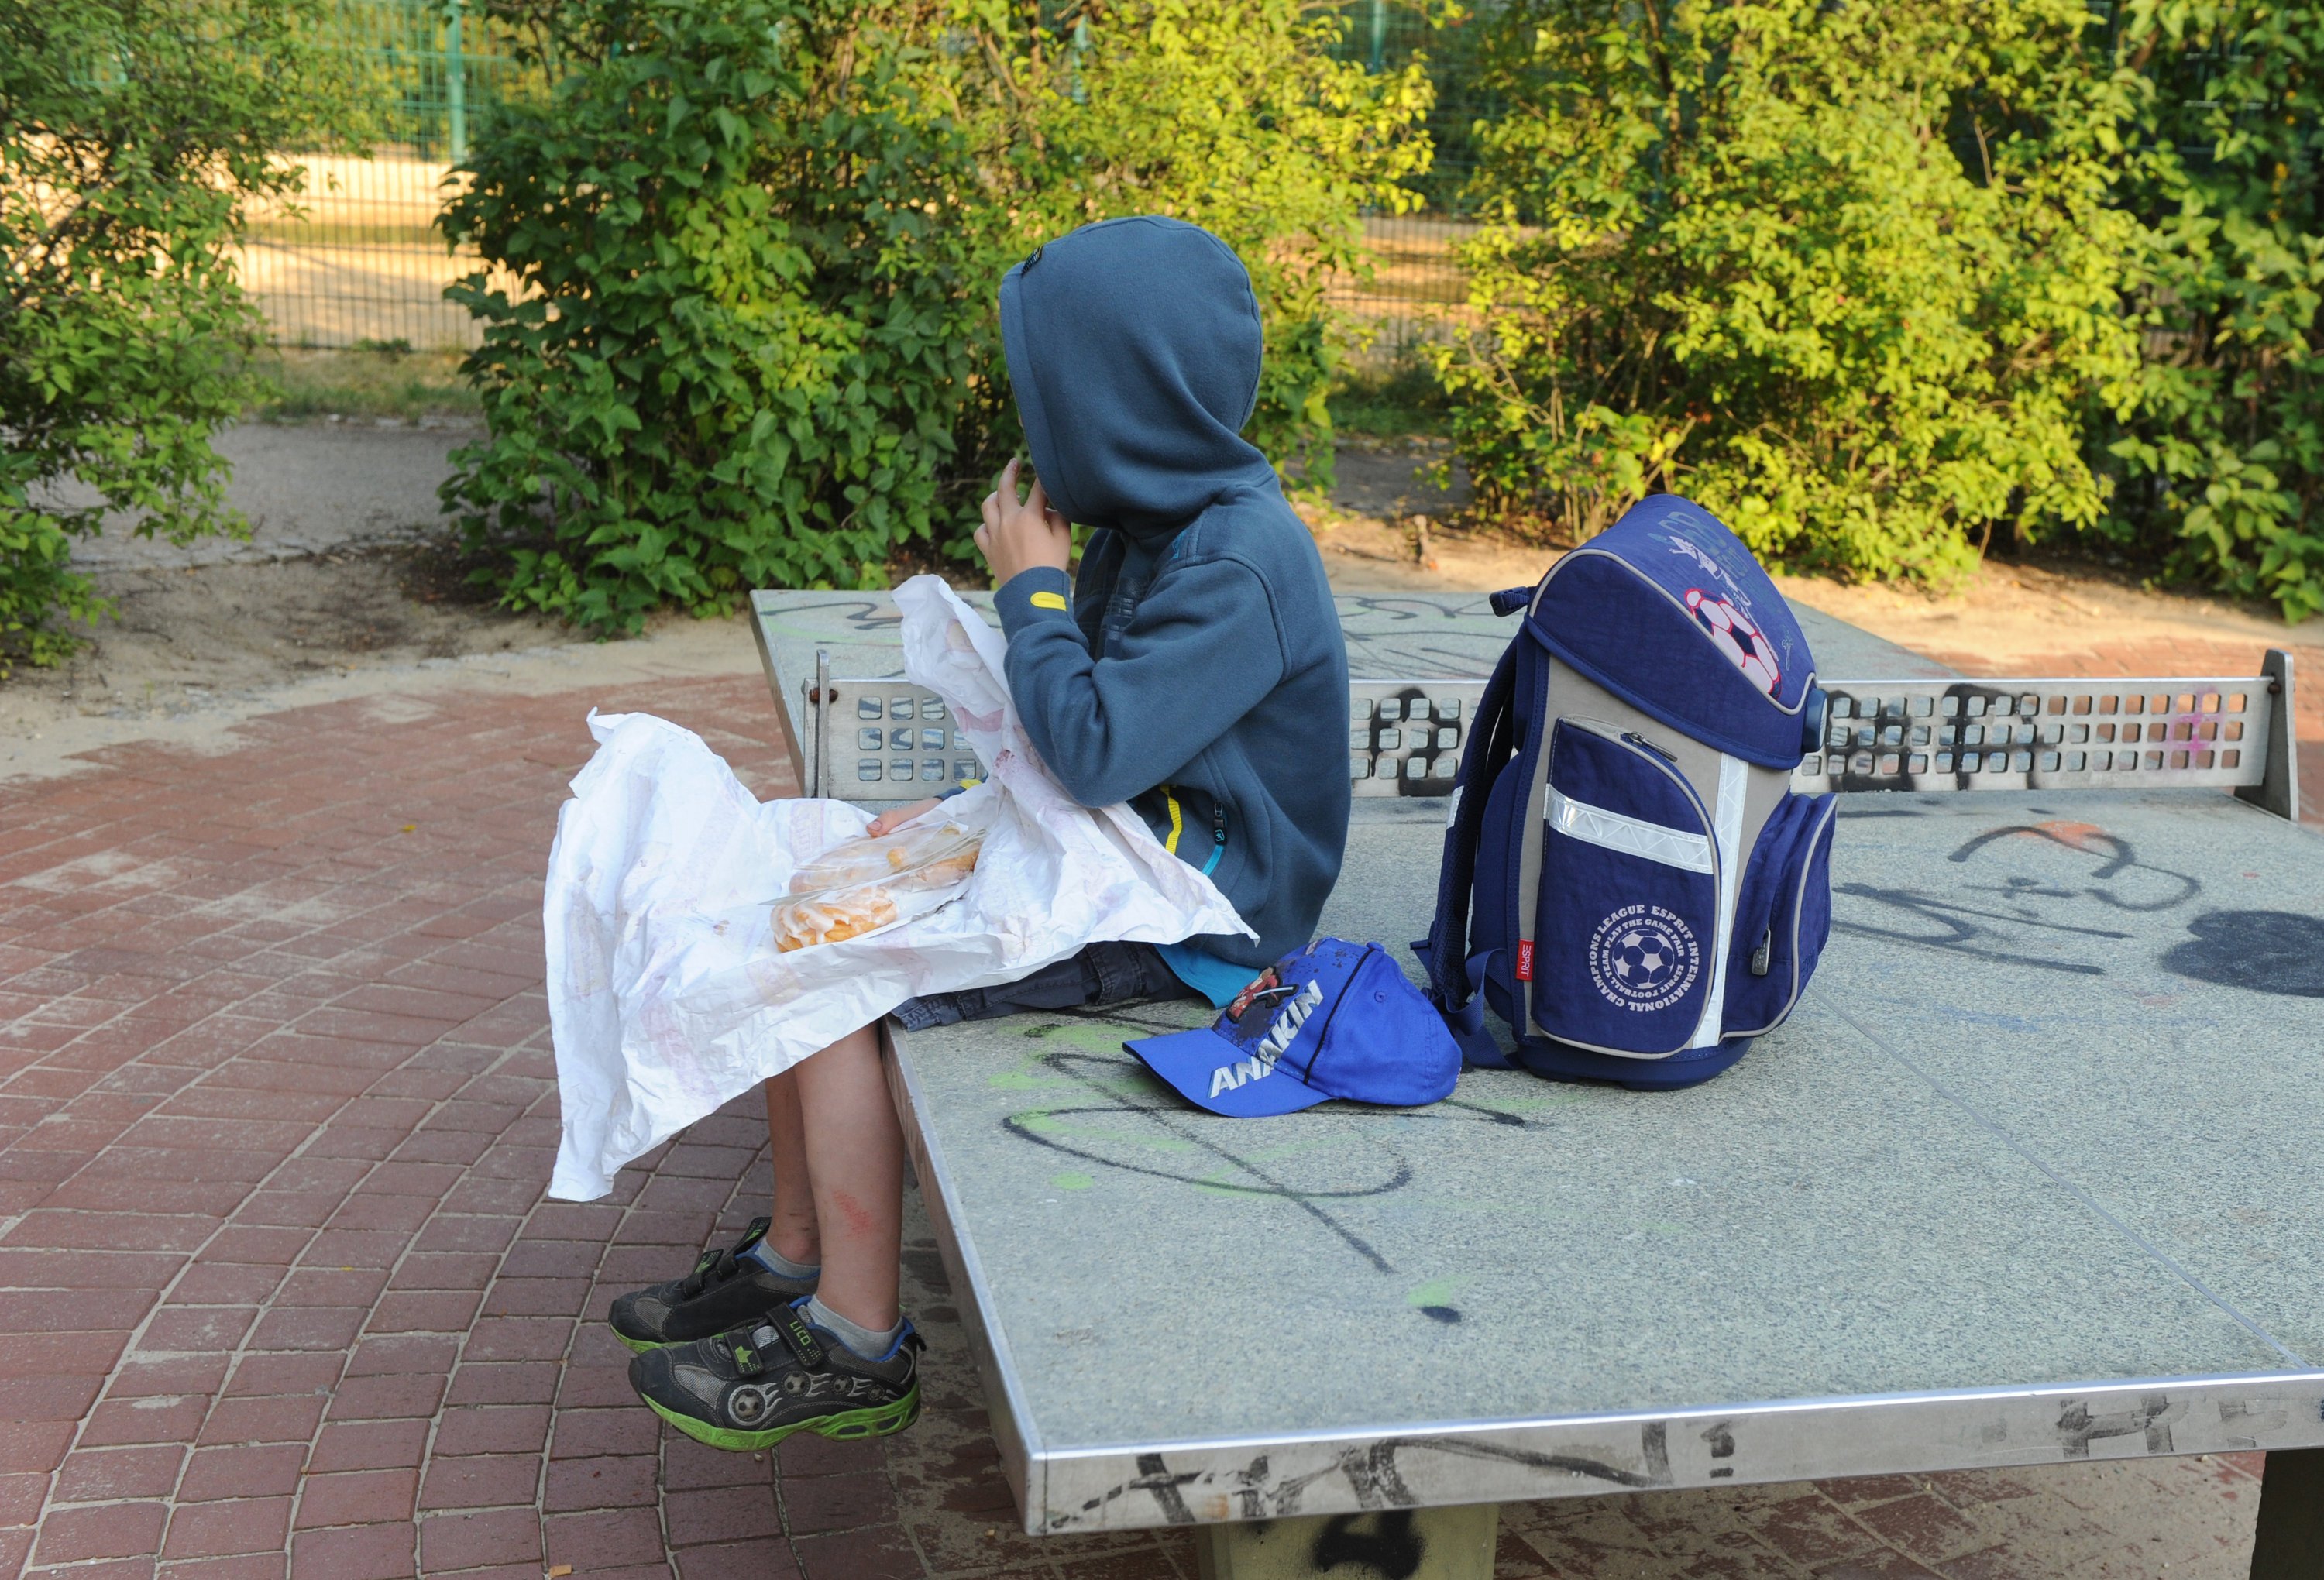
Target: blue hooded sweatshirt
[[1197, 669]]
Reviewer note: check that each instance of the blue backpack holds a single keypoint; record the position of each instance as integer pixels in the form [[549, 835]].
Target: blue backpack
[[1629, 881]]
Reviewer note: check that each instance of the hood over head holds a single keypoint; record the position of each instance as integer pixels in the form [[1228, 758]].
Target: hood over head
[[1134, 351]]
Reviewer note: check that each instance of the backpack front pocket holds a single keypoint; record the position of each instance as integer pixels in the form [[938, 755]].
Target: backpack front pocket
[[1628, 920]]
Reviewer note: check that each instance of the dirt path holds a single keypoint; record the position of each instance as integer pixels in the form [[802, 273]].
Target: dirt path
[[305, 489]]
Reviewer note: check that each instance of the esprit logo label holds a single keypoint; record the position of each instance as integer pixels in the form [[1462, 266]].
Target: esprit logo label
[[1226, 1078], [1525, 959]]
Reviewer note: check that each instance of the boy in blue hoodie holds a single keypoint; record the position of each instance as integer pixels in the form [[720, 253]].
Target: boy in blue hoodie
[[1194, 669]]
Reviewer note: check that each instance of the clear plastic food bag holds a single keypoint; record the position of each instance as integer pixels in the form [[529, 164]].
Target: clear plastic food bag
[[859, 885], [929, 852]]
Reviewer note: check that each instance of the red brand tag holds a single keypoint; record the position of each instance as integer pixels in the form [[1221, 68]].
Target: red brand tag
[[1525, 959]]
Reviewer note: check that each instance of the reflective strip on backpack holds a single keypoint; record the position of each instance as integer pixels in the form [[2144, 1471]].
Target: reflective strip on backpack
[[1727, 824], [1630, 836]]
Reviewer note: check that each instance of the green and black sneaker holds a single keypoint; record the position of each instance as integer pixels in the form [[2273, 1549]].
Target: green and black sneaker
[[754, 1387], [726, 1290]]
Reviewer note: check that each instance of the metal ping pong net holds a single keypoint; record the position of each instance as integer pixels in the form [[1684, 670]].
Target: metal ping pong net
[[862, 738]]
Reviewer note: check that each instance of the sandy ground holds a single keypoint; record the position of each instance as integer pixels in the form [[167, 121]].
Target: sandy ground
[[305, 489], [196, 652], [2017, 612], [338, 594]]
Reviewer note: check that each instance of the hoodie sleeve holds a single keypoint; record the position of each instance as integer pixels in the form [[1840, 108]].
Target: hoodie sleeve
[[1201, 652]]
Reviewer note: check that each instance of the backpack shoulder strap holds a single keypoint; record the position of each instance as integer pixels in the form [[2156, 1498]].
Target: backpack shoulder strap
[[1492, 735]]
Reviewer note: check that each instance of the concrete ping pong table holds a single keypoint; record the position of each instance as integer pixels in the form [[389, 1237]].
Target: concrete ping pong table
[[2035, 1174]]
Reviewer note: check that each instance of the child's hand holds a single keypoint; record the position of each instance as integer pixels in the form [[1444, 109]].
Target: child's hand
[[1021, 535], [888, 823]]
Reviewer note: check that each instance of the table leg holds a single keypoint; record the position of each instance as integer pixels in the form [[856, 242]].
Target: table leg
[[1400, 1544], [2291, 1545]]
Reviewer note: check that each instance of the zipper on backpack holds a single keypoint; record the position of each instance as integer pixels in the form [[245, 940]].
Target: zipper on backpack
[[1669, 765]]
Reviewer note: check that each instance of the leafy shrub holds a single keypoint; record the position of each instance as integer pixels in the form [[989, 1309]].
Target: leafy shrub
[[753, 338], [1844, 273], [2223, 456], [133, 134], [737, 349]]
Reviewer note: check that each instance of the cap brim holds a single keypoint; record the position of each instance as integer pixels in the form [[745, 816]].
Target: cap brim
[[1191, 1063]]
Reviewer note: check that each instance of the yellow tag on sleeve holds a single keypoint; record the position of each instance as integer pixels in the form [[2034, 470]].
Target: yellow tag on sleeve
[[1048, 601]]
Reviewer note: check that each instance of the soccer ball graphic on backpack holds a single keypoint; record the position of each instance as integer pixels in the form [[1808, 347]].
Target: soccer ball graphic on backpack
[[1630, 883], [1647, 958], [1733, 634]]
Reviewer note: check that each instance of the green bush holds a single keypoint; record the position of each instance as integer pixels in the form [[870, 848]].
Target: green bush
[[736, 352], [2223, 456], [1229, 113], [1844, 273], [753, 338], [133, 134]]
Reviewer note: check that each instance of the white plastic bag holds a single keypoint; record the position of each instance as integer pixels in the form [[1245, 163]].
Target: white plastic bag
[[666, 994]]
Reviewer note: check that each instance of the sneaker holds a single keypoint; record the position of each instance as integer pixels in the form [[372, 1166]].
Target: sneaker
[[755, 1386], [725, 1289]]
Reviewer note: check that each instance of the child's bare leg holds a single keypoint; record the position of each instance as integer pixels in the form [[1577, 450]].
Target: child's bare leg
[[855, 1158], [793, 1235], [751, 1280], [752, 1386]]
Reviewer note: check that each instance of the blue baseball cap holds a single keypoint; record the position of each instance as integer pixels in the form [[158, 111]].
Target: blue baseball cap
[[1335, 1020]]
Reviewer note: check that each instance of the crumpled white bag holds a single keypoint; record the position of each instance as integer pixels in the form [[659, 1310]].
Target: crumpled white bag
[[667, 996]]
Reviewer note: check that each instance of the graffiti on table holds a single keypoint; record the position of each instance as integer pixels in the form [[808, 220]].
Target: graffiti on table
[[2051, 895], [2062, 896], [2263, 952], [1130, 1124], [1377, 1475]]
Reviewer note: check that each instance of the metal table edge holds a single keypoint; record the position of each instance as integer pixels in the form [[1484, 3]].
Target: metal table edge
[[1347, 1470], [1022, 1459]]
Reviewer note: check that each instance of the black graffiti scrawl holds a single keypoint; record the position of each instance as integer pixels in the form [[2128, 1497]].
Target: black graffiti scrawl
[[2049, 895], [2263, 951], [1387, 1545], [2054, 896], [1226, 1160], [1374, 1474]]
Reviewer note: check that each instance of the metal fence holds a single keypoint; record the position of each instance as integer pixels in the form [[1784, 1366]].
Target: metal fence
[[357, 260], [1417, 290]]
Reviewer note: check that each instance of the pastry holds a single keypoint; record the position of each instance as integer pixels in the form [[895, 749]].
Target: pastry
[[940, 874], [832, 918], [947, 848]]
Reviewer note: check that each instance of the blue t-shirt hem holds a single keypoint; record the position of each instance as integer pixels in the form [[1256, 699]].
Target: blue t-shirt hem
[[1218, 981]]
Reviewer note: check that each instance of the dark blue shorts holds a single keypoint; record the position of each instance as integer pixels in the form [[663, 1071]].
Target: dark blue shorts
[[1103, 973]]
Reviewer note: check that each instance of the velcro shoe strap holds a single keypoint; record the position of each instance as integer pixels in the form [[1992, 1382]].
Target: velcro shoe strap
[[797, 1337]]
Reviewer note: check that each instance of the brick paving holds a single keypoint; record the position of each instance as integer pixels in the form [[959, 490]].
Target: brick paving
[[280, 1292]]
